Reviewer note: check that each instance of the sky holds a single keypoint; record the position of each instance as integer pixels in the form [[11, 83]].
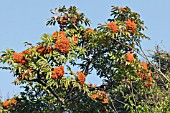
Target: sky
[[24, 21]]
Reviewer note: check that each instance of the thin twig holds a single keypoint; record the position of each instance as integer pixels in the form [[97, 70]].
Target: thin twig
[[160, 72], [144, 56], [69, 92], [112, 103]]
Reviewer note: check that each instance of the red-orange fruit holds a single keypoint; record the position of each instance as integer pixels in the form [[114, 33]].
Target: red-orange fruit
[[130, 26], [129, 57], [113, 27], [81, 77]]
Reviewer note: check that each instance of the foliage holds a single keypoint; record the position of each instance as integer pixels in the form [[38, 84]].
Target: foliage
[[54, 71]]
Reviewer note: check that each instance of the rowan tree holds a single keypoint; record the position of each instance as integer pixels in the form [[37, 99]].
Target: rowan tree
[[53, 73]]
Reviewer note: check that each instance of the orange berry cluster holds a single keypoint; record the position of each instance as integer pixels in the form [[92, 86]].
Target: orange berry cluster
[[62, 43], [122, 9], [8, 103], [58, 34], [57, 72], [26, 52], [87, 33], [113, 27], [19, 58], [101, 96], [81, 77], [90, 85], [43, 50], [129, 57], [89, 30], [144, 65], [130, 26], [146, 76]]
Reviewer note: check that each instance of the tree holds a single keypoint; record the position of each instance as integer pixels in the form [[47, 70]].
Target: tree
[[54, 71]]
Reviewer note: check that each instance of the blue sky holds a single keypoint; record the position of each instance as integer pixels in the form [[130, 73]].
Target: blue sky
[[22, 21]]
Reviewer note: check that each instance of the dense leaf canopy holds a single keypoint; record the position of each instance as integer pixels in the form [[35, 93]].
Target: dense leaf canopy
[[53, 73]]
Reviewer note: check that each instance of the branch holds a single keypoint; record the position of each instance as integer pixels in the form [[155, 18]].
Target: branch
[[69, 92], [89, 61], [49, 88], [86, 69], [158, 70], [133, 95], [112, 105], [144, 56], [73, 98], [45, 85]]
